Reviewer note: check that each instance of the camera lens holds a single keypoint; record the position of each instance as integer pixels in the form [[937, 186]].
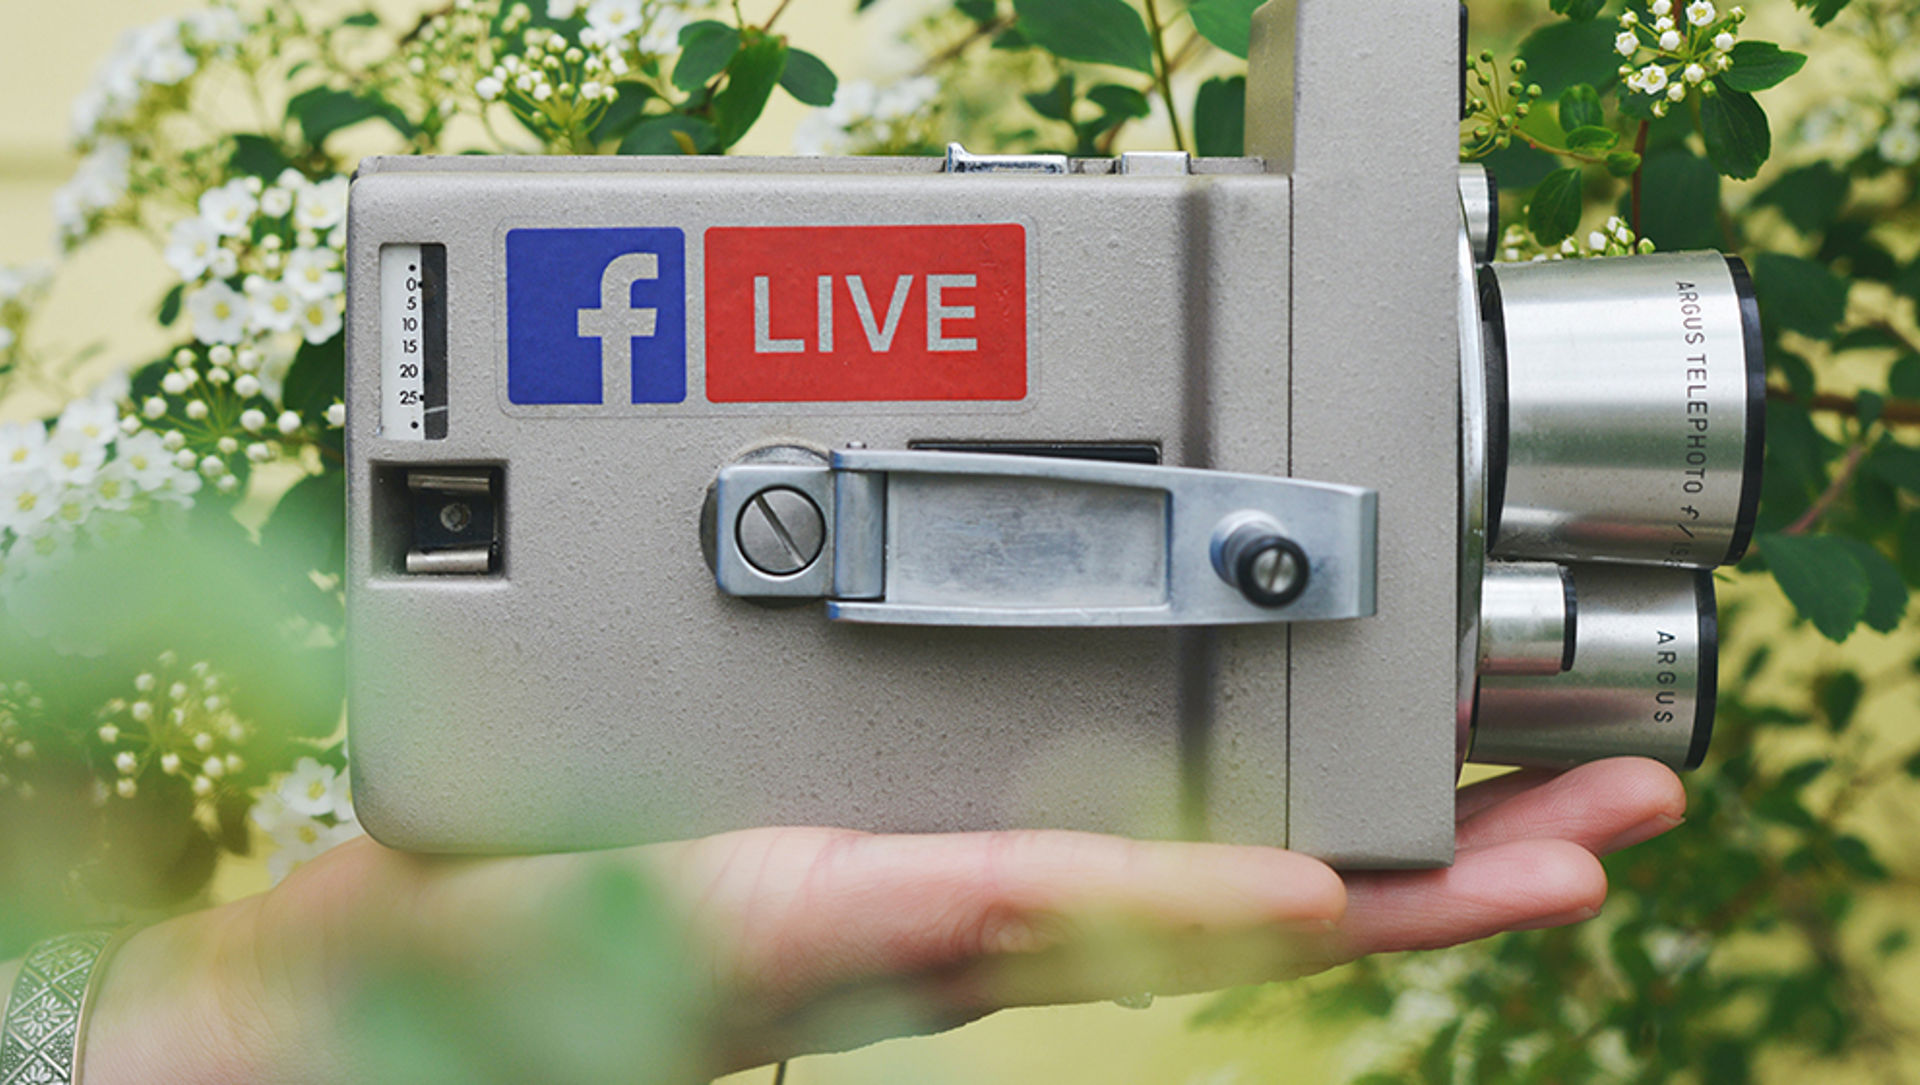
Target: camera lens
[[1626, 400], [1480, 203], [1642, 682], [1527, 618]]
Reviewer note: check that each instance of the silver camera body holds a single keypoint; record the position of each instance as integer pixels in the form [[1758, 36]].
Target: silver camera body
[[1148, 495]]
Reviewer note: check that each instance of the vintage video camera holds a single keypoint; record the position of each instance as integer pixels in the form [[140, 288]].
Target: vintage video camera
[[1233, 498]]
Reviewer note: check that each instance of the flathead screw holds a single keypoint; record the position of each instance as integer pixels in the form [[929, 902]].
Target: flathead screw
[[780, 531]]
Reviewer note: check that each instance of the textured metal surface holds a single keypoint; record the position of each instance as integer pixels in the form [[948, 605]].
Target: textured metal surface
[[1641, 683], [1357, 100], [46, 1011], [1627, 421], [602, 691]]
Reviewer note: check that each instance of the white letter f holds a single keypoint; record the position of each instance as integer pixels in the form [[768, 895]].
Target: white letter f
[[617, 322]]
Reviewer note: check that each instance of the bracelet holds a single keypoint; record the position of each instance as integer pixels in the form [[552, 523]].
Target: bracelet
[[44, 1031]]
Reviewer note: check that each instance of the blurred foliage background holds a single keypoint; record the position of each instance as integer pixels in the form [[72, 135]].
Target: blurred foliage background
[[1767, 940]]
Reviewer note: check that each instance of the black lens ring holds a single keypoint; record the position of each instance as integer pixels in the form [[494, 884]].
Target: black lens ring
[[1707, 683], [1756, 436]]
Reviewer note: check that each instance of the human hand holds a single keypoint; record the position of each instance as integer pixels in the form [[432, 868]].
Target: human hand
[[798, 940]]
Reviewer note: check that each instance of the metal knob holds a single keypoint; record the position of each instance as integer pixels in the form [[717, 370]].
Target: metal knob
[[1251, 554]]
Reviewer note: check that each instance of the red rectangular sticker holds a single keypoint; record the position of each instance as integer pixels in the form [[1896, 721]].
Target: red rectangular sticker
[[799, 314]]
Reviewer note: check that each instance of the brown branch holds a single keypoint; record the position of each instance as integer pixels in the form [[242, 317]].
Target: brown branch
[[771, 19], [1640, 149], [1894, 412], [951, 52], [1825, 502]]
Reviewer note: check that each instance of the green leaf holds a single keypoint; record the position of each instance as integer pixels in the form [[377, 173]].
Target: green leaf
[[1886, 588], [1226, 23], [257, 156], [1559, 55], [1520, 167], [1821, 579], [1735, 128], [1554, 211], [1578, 9], [1056, 102], [1854, 853], [981, 12], [1903, 380], [316, 379], [705, 48], [663, 135], [1096, 31], [322, 111], [1119, 102], [1580, 107], [1810, 197], [1220, 117], [1798, 295], [627, 109], [808, 78], [1681, 202], [1758, 65], [308, 527], [1839, 695], [170, 305], [1822, 11], [1592, 139], [751, 76], [1622, 163], [1867, 406], [363, 18]]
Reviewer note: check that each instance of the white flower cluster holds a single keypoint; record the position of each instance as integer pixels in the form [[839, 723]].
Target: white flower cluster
[[654, 25], [308, 811], [98, 185], [1616, 238], [868, 119], [87, 479], [180, 723], [20, 709], [1899, 142], [160, 54], [21, 288], [282, 291], [555, 78], [1684, 56]]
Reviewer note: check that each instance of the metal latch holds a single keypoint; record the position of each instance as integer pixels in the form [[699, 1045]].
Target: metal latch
[[961, 538], [960, 160]]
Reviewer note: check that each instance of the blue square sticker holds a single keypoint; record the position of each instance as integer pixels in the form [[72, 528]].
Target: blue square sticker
[[596, 316]]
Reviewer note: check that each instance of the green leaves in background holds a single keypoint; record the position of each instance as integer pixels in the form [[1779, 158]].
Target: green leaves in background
[[1096, 31], [322, 111], [1562, 54], [751, 76], [808, 78], [1836, 582], [1758, 65], [1554, 211], [1220, 117], [1735, 128], [1581, 10], [1810, 197], [1823, 11], [1580, 107], [705, 48], [1799, 295], [1684, 209], [1226, 23]]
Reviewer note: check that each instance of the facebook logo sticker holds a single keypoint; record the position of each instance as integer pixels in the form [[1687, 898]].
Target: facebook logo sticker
[[596, 316]]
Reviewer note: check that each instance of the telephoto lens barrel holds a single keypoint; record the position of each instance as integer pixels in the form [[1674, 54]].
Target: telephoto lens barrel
[[1642, 683], [1626, 401]]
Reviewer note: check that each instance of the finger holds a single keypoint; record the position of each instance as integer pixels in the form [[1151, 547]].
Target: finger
[[1474, 798], [808, 909], [1510, 886], [1602, 806]]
